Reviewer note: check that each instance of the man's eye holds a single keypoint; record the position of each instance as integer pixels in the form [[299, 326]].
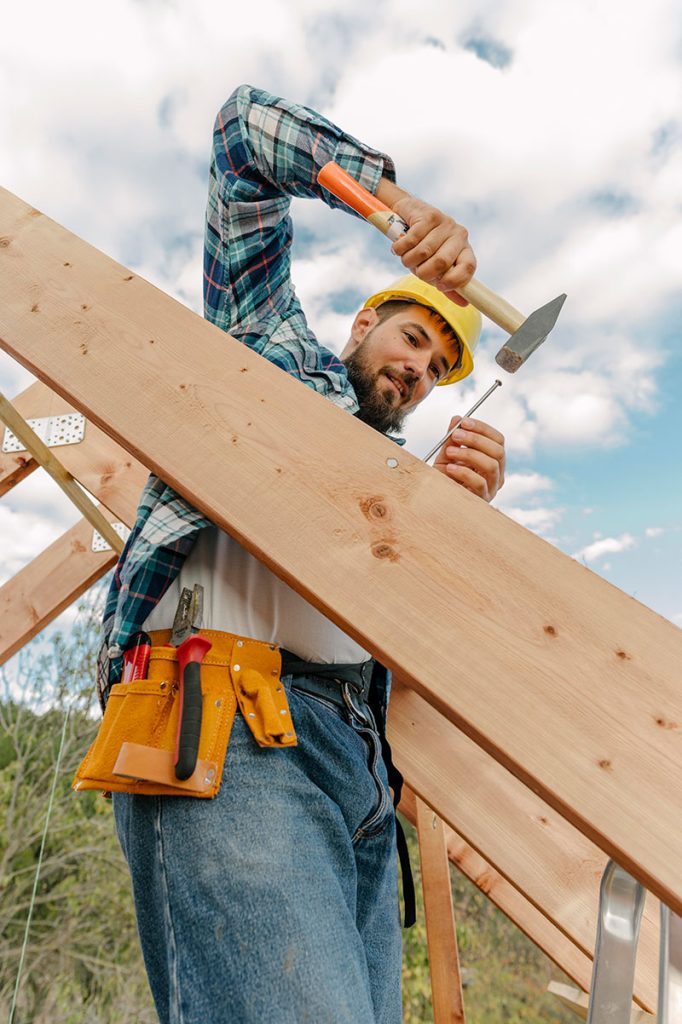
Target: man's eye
[[413, 341], [435, 371]]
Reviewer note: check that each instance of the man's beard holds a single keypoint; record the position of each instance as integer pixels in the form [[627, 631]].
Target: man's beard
[[377, 404]]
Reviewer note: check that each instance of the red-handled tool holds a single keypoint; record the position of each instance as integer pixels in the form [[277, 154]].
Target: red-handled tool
[[191, 652], [136, 658]]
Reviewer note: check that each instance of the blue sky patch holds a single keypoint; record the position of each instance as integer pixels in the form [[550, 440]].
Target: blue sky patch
[[490, 50]]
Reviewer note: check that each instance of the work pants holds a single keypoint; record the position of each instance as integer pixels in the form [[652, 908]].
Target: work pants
[[276, 901]]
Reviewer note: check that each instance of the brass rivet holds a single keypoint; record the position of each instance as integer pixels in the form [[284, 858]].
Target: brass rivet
[[236, 667], [252, 714], [240, 643], [283, 711], [278, 690], [288, 734], [218, 703], [391, 463]]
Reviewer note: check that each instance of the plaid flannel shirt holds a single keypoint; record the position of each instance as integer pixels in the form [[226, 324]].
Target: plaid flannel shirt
[[265, 150]]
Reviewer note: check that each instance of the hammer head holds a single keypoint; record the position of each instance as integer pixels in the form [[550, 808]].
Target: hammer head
[[529, 336]]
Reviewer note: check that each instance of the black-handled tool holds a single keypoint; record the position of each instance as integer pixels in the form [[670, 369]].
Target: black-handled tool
[[191, 652], [190, 656]]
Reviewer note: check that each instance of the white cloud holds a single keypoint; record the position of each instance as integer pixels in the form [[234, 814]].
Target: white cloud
[[654, 531], [539, 520], [608, 545], [565, 169]]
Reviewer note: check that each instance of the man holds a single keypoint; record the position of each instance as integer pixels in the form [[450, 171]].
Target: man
[[277, 900]]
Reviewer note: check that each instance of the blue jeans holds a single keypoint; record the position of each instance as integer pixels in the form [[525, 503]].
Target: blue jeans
[[277, 901]]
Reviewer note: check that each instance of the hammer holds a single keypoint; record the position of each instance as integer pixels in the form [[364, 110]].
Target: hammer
[[527, 333]]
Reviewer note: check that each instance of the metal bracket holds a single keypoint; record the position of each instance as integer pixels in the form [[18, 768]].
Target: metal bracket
[[53, 431], [621, 901], [670, 968], [99, 543]]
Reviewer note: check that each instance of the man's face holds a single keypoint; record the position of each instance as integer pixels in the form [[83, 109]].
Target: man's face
[[393, 365]]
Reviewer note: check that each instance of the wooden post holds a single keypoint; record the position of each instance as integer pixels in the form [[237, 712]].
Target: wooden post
[[441, 933]]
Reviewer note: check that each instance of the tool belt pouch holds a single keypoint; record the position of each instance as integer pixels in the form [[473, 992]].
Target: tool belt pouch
[[134, 750]]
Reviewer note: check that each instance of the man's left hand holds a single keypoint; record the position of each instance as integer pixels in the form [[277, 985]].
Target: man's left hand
[[474, 457]]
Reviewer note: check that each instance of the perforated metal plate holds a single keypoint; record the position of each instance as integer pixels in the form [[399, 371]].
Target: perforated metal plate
[[99, 543], [52, 431]]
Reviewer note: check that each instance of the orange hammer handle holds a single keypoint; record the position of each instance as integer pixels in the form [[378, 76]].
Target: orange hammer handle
[[353, 194], [348, 190]]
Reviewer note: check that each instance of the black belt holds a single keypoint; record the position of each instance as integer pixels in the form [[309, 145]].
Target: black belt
[[323, 679]]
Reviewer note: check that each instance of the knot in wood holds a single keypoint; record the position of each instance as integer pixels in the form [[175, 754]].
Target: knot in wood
[[374, 508], [5, 242], [383, 550]]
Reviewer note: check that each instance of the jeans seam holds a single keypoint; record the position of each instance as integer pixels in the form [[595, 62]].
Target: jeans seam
[[175, 1003], [365, 831]]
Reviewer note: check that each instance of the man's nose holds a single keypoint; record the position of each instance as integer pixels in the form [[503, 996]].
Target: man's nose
[[417, 364]]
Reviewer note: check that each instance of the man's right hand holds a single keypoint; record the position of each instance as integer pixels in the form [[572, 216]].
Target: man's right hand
[[436, 249]]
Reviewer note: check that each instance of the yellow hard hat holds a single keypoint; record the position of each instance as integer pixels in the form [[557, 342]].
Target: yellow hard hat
[[464, 320]]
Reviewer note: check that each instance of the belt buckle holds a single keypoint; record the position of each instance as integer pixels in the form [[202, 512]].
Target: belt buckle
[[346, 689]]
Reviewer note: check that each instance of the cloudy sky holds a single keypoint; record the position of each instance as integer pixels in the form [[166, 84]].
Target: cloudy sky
[[552, 130]]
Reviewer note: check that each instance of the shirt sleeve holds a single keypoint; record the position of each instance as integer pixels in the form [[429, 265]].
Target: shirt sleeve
[[266, 150]]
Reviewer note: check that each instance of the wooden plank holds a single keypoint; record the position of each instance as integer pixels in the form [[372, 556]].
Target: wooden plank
[[49, 584], [510, 900], [25, 433], [531, 921], [98, 463], [555, 868], [569, 683], [579, 1003], [441, 935]]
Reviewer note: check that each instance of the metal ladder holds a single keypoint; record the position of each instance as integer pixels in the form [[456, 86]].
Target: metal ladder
[[621, 900]]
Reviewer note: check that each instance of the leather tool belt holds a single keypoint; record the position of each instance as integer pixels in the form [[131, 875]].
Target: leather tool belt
[[133, 751]]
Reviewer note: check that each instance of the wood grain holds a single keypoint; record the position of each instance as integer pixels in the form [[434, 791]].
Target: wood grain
[[98, 463], [562, 854], [46, 586], [532, 922], [555, 867], [441, 935], [569, 683]]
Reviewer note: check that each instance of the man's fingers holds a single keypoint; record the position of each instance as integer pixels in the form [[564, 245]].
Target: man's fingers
[[479, 427], [477, 442], [487, 465], [468, 478], [461, 272]]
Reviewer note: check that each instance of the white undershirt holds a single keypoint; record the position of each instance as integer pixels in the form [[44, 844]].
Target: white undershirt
[[242, 596]]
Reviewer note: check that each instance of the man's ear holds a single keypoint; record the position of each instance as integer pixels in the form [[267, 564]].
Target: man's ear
[[363, 323]]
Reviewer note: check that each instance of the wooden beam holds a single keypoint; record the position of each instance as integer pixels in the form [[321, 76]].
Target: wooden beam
[[579, 1003], [48, 585], [441, 934], [51, 464], [518, 835], [98, 463], [570, 684], [540, 929], [562, 869]]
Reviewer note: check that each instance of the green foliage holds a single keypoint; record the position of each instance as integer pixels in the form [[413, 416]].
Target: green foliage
[[83, 960], [505, 976]]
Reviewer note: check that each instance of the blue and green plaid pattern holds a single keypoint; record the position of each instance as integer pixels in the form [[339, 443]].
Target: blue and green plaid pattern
[[265, 150]]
